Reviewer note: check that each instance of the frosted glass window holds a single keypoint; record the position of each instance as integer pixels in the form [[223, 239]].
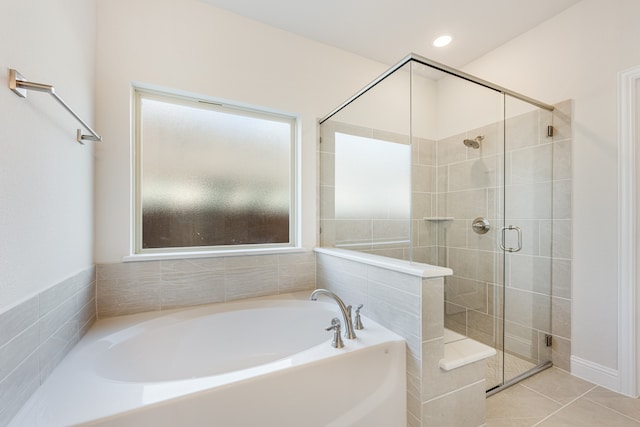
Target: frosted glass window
[[212, 176], [373, 178]]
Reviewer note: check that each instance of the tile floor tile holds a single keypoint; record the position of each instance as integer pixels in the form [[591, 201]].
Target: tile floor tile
[[584, 413], [558, 385], [619, 403], [554, 398], [518, 404]]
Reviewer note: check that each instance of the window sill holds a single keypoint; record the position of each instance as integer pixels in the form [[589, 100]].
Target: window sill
[[209, 254]]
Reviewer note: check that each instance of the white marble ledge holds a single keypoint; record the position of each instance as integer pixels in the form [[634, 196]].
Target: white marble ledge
[[461, 352], [419, 269]]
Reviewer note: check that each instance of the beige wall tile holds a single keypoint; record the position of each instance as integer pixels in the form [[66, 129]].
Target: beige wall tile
[[387, 229], [432, 308], [353, 231], [249, 282], [561, 353], [528, 308], [295, 277], [562, 199], [14, 353], [562, 120], [327, 169], [484, 328], [423, 178], [562, 166], [18, 319], [561, 314], [469, 293], [531, 273], [451, 150], [532, 165], [521, 131], [436, 382], [16, 389], [528, 201], [476, 173], [522, 341], [181, 289], [327, 202], [117, 297]]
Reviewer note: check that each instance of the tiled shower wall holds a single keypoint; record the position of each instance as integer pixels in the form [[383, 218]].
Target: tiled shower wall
[[38, 333], [538, 199], [453, 184], [381, 235], [134, 287]]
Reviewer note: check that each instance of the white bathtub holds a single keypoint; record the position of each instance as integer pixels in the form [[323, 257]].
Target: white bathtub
[[262, 362]]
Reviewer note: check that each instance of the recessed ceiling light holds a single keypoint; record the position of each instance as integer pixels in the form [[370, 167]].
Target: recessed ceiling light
[[442, 40]]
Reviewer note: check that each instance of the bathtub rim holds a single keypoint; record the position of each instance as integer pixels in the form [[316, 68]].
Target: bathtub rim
[[111, 394]]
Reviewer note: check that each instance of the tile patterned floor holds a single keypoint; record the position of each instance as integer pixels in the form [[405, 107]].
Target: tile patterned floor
[[554, 398]]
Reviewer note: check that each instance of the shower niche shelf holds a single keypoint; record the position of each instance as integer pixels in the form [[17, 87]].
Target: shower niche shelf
[[438, 218]]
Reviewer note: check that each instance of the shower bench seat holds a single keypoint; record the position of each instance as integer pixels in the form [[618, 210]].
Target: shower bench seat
[[461, 351]]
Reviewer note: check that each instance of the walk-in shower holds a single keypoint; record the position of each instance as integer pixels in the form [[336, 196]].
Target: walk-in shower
[[395, 180]]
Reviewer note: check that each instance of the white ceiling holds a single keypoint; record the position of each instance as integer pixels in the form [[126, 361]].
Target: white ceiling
[[388, 30]]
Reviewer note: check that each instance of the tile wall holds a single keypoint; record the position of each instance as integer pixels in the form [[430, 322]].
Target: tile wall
[[38, 333], [451, 186], [376, 233], [538, 199], [133, 287], [412, 307]]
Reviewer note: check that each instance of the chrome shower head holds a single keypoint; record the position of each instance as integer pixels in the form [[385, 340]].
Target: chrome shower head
[[474, 143]]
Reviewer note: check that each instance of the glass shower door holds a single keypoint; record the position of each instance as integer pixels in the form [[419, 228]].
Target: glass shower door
[[525, 239]]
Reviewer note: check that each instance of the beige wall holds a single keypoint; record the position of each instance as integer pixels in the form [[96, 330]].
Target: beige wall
[[46, 178], [190, 46]]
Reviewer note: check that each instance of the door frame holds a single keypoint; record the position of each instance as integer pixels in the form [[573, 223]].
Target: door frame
[[628, 225]]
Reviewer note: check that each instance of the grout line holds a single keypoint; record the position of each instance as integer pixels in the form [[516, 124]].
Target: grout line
[[564, 406], [543, 395], [34, 352], [611, 409], [453, 391]]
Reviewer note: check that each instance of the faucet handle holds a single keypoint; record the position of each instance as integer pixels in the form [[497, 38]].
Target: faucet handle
[[335, 327], [335, 324], [358, 322]]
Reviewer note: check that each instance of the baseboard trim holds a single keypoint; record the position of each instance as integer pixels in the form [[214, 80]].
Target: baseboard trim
[[595, 373]]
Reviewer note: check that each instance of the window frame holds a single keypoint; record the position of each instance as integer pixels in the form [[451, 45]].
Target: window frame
[[137, 252]]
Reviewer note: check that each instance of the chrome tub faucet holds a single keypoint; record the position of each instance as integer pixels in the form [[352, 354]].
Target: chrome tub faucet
[[346, 310]]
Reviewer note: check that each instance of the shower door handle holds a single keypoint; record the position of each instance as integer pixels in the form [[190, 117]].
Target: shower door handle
[[502, 237]]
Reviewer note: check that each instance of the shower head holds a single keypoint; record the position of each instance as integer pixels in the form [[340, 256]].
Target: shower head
[[474, 143]]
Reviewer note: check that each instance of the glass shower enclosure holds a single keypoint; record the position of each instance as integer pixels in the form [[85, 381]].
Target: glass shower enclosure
[[432, 165]]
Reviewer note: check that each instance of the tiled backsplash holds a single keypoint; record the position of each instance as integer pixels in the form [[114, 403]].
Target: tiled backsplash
[[38, 333], [134, 287]]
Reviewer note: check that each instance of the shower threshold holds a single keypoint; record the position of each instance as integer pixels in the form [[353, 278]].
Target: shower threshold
[[515, 380]]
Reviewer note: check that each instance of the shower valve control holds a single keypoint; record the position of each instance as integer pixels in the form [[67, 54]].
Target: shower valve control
[[481, 225]]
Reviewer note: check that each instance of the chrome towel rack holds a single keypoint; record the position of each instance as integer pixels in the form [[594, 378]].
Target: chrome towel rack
[[19, 85]]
